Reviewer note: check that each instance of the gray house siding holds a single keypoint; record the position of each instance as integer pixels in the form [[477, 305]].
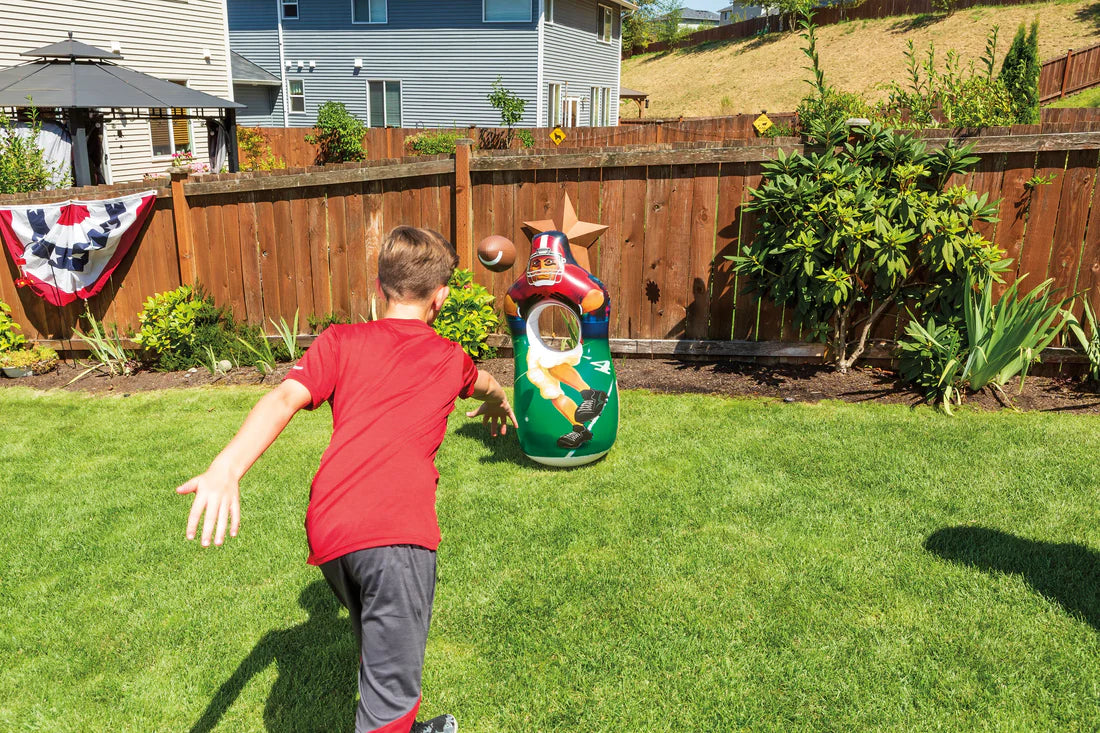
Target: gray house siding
[[254, 34], [576, 59], [444, 55]]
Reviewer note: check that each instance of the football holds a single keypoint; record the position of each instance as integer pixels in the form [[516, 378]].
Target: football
[[497, 253]]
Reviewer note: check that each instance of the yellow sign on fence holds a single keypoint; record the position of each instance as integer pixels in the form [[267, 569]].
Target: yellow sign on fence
[[762, 124], [557, 135]]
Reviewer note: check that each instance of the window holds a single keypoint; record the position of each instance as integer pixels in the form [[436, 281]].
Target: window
[[549, 11], [553, 118], [297, 96], [506, 11], [369, 11], [171, 133], [604, 23], [384, 103], [599, 111], [290, 9]]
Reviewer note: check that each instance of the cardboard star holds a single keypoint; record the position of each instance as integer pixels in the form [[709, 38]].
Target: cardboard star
[[581, 234]]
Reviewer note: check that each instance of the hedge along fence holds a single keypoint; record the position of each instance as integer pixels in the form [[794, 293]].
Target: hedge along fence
[[307, 239], [289, 143]]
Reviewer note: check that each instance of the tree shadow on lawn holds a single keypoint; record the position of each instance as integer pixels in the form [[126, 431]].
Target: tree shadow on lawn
[[1067, 573], [317, 663], [1089, 14]]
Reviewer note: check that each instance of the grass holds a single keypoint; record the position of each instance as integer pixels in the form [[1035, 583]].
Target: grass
[[1087, 98], [858, 56], [731, 564]]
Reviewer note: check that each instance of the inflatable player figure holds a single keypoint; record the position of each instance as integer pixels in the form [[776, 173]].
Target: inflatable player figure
[[566, 400]]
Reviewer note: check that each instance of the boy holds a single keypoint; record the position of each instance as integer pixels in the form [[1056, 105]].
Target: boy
[[371, 522]]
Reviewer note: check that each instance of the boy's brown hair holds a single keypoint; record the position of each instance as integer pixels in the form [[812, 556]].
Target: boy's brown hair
[[415, 262]]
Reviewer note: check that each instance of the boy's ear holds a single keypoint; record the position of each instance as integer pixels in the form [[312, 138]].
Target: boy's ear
[[440, 297], [378, 289]]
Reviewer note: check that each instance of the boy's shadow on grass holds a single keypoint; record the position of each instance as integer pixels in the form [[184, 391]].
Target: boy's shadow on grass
[[1066, 573], [317, 666]]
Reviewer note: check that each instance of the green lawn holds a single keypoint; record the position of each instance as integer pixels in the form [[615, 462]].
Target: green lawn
[[1087, 98], [732, 564]]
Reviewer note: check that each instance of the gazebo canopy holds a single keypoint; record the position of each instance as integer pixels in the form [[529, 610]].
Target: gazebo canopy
[[74, 75]]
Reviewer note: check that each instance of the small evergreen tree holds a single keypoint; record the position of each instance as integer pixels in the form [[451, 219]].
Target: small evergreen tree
[[669, 13], [339, 134], [638, 25], [1020, 74]]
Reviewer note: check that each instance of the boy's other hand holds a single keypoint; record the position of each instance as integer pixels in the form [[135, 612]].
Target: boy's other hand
[[496, 415], [217, 494]]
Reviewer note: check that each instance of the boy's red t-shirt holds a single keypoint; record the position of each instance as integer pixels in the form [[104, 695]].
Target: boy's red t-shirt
[[392, 383]]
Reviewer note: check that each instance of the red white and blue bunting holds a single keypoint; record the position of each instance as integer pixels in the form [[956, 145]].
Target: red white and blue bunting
[[68, 250]]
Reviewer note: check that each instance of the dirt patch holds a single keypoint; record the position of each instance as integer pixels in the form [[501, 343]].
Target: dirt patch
[[793, 383]]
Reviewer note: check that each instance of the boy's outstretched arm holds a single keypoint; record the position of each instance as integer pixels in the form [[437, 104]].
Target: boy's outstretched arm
[[496, 412], [217, 490]]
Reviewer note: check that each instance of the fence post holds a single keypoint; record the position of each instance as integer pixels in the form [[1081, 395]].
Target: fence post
[[181, 217], [1065, 73], [464, 210]]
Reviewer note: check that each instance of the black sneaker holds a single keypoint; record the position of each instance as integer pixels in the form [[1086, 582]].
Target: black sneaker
[[442, 724], [575, 439], [592, 405]]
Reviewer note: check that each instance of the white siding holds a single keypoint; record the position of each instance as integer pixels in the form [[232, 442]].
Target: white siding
[[164, 38]]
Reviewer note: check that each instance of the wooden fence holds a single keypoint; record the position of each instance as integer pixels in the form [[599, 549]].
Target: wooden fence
[[1071, 73], [269, 244], [869, 10], [289, 143]]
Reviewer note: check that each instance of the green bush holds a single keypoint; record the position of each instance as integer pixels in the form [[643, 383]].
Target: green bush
[[317, 324], [1020, 74], [39, 359], [255, 151], [826, 106], [962, 98], [338, 133], [178, 326], [854, 227], [467, 317], [526, 139], [434, 142], [507, 103], [9, 336]]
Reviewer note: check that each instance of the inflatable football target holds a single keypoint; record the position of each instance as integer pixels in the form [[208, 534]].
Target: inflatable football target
[[566, 398]]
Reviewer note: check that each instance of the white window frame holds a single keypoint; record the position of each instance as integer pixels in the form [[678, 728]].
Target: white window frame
[[605, 107], [401, 103], [370, 22], [171, 138], [554, 105], [282, 9], [485, 19], [608, 23], [594, 108], [549, 5], [290, 97], [567, 119]]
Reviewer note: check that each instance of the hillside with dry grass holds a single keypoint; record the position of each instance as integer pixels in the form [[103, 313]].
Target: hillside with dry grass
[[754, 74]]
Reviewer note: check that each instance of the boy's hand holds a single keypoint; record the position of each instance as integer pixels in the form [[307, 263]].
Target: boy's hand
[[218, 495], [496, 415]]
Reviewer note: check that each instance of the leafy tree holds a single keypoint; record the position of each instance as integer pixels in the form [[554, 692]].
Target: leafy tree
[[854, 227], [638, 25], [339, 135], [667, 20], [1020, 74], [507, 103]]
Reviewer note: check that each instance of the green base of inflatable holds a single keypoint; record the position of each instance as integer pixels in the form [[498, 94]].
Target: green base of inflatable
[[568, 461]]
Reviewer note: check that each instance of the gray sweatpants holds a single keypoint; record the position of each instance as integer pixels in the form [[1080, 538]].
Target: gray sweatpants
[[388, 592]]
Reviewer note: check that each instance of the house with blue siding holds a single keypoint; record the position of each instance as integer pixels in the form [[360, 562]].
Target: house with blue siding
[[411, 63]]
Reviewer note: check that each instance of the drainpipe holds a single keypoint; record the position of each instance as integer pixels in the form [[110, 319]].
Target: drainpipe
[[282, 64]]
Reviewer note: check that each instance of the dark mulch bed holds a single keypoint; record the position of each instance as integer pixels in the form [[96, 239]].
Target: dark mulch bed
[[794, 383]]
